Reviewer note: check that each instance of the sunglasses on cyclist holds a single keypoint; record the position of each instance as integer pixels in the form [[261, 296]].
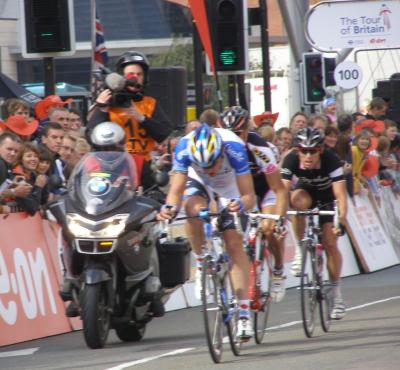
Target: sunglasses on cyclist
[[309, 151]]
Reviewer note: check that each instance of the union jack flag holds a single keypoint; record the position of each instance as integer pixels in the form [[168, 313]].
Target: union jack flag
[[100, 60], [100, 53]]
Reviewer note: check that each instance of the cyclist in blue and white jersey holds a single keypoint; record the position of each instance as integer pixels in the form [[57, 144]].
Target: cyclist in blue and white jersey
[[209, 162], [272, 196]]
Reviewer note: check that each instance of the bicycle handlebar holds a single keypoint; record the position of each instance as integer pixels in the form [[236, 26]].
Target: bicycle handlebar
[[311, 212], [265, 216]]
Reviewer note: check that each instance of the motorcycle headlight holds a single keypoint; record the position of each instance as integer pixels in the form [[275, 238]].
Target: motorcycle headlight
[[82, 227]]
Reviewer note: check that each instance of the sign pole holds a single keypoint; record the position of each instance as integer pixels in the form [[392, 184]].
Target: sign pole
[[265, 54], [49, 76]]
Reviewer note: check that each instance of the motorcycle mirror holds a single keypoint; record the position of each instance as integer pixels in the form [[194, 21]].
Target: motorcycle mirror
[[161, 178]]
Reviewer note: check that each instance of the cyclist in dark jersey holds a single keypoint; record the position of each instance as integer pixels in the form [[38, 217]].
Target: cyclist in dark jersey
[[320, 180], [271, 194]]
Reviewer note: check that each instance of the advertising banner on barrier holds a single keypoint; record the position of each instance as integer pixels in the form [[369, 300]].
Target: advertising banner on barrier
[[374, 248], [29, 304], [389, 211]]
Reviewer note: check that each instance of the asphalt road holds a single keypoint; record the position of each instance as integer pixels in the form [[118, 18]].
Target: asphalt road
[[367, 338]]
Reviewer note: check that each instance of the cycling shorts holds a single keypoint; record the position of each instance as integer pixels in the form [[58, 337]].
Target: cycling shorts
[[323, 199], [225, 220]]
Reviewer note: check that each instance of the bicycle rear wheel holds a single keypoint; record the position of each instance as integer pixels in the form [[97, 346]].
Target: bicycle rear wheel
[[325, 306], [262, 296], [212, 312], [308, 290]]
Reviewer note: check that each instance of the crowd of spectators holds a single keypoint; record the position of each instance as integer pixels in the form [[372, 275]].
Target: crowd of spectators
[[46, 145], [38, 149]]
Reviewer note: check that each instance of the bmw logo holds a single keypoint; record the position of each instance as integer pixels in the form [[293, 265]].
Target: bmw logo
[[98, 186]]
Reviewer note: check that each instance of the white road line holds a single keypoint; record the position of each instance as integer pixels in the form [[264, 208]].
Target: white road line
[[372, 303], [148, 359], [22, 352], [348, 309]]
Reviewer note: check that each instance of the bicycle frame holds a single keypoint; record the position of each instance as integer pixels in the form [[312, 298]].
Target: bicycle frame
[[311, 279]]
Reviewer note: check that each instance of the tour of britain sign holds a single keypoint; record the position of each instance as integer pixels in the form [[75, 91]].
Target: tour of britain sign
[[354, 24]]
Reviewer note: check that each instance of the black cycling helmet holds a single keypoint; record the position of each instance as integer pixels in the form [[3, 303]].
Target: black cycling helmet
[[235, 118], [133, 57], [309, 138]]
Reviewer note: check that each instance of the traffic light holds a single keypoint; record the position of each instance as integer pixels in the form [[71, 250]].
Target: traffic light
[[313, 78], [228, 24], [47, 28], [329, 71]]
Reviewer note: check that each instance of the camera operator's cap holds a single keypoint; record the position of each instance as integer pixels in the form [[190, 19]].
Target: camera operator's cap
[[266, 118], [21, 126], [42, 107]]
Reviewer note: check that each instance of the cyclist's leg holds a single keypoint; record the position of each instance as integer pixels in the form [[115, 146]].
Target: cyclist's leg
[[300, 200], [334, 265], [240, 279], [268, 205], [196, 197]]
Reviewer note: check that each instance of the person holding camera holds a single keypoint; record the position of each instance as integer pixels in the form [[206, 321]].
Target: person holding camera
[[125, 103]]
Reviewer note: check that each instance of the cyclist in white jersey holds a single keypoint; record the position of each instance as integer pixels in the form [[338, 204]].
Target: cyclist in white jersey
[[209, 162], [272, 196]]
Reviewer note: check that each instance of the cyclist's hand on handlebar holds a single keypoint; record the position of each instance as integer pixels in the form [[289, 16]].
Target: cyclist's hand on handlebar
[[280, 229], [235, 205], [339, 230], [167, 212]]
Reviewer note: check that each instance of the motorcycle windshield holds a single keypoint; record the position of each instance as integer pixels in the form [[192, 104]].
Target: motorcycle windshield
[[102, 181]]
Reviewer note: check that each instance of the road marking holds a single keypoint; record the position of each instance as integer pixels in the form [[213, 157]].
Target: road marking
[[292, 323], [284, 325], [148, 359], [22, 352], [372, 303]]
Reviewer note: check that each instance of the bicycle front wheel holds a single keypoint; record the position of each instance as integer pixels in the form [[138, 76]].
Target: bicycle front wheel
[[231, 315], [325, 306], [262, 295], [308, 290], [212, 310]]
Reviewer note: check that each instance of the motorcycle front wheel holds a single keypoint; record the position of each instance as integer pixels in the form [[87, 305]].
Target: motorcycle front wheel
[[96, 315]]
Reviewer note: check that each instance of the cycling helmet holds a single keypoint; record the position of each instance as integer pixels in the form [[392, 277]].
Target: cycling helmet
[[205, 146], [133, 57], [107, 136], [309, 138], [235, 118]]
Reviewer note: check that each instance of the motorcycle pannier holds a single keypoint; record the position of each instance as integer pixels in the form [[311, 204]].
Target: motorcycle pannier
[[174, 258]]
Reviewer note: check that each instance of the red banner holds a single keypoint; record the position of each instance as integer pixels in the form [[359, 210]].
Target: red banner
[[30, 306]]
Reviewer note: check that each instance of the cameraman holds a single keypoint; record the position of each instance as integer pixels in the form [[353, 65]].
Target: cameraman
[[142, 118]]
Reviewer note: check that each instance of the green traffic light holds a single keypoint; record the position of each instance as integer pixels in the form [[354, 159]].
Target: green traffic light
[[227, 57]]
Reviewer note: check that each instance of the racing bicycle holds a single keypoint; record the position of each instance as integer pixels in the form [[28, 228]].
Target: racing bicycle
[[314, 290]]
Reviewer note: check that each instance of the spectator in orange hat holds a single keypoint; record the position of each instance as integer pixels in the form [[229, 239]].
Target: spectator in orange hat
[[266, 118], [20, 125], [42, 109]]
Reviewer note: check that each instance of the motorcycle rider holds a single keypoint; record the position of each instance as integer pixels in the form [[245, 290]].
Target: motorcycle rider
[[141, 117], [106, 137]]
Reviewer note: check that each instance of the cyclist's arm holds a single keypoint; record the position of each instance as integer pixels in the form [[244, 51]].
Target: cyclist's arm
[[339, 191], [246, 190], [177, 187], [276, 184]]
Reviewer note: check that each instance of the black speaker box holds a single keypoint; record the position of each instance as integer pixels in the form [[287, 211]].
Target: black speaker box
[[169, 86]]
